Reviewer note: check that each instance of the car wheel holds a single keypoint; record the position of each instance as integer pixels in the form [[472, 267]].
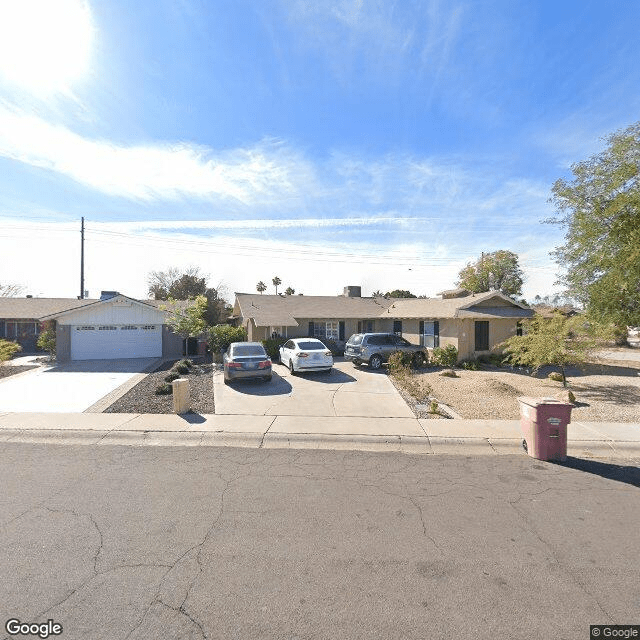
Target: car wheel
[[267, 379], [225, 381], [293, 371], [375, 362]]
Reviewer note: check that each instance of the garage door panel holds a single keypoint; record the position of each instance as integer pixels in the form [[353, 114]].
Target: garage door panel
[[99, 342]]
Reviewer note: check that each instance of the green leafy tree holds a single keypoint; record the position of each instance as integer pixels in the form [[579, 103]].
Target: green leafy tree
[[222, 335], [47, 339], [261, 287], [600, 211], [276, 283], [187, 285], [399, 293], [187, 321], [559, 341], [289, 291], [497, 271], [377, 294]]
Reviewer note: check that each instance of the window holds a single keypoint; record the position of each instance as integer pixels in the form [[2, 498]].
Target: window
[[21, 330], [402, 342], [519, 328], [365, 326], [148, 327], [397, 327], [85, 328], [129, 327], [429, 333], [482, 335], [332, 330], [307, 345], [107, 328]]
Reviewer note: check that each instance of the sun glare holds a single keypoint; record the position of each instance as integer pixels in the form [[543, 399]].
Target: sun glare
[[45, 45]]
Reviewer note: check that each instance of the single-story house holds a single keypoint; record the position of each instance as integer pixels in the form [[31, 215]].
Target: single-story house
[[115, 326], [474, 323]]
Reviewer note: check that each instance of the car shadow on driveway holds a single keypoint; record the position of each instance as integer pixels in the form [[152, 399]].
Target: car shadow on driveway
[[277, 387], [335, 376]]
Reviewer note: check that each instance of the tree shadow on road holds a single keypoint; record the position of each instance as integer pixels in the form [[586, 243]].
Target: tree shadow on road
[[620, 473]]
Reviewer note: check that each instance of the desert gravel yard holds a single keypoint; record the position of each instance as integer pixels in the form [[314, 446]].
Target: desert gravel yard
[[603, 392], [142, 398]]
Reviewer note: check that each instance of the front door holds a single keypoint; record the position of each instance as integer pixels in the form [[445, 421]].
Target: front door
[[397, 327]]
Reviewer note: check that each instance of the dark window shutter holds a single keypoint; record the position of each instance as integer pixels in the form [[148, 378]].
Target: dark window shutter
[[341, 330], [421, 332], [482, 335], [436, 333], [311, 328]]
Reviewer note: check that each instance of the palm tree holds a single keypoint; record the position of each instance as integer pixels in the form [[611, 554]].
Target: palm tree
[[261, 286], [276, 281], [289, 291]]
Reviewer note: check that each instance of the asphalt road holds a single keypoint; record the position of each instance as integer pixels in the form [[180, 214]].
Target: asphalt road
[[171, 543]]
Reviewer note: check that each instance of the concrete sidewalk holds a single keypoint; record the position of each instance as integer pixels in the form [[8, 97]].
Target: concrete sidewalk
[[410, 435]]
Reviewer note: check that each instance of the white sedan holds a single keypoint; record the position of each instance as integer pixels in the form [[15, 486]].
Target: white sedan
[[305, 354]]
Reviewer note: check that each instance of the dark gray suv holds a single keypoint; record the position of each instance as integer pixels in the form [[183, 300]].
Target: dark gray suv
[[375, 348]]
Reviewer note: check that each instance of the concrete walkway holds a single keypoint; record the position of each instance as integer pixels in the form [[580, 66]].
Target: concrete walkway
[[410, 435]]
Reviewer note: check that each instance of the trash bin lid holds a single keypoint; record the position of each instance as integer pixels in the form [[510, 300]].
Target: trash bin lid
[[535, 402]]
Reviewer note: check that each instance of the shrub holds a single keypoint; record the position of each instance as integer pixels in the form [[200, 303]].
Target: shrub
[[272, 346], [8, 349], [164, 389], [399, 363], [433, 407], [336, 348], [180, 368], [171, 376], [445, 356], [449, 373], [470, 365], [186, 362], [47, 339], [222, 335], [555, 376]]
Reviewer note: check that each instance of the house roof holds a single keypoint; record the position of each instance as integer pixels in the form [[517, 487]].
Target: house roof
[[272, 310], [36, 308], [49, 308]]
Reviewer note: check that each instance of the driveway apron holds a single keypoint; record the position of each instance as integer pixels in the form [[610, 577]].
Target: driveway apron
[[346, 392], [70, 387]]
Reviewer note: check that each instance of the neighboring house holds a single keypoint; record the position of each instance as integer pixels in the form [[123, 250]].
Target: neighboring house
[[115, 326], [474, 323]]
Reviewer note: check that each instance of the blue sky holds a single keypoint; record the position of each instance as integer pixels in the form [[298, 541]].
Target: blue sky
[[331, 142]]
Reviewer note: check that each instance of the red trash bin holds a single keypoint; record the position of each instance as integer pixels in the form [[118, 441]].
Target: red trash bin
[[544, 426]]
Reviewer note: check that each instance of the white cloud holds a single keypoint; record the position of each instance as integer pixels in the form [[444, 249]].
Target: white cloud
[[154, 171]]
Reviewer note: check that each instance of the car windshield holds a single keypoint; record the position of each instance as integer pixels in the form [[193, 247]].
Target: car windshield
[[248, 350], [356, 339], [311, 346]]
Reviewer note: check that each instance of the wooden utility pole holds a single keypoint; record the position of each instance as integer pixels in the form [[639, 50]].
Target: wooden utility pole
[[82, 259]]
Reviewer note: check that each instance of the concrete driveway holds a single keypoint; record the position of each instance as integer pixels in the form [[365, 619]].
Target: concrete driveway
[[71, 387], [345, 392]]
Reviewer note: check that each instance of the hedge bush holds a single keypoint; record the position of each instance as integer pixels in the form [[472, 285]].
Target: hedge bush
[[164, 389], [180, 368], [445, 356], [8, 349], [171, 376], [222, 335], [272, 346]]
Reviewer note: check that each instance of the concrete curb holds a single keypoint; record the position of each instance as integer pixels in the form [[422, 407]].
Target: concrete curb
[[415, 445]]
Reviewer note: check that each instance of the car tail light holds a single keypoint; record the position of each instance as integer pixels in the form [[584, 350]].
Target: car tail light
[[302, 355], [264, 364]]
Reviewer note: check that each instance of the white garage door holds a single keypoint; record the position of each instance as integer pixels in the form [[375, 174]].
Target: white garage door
[[105, 342]]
